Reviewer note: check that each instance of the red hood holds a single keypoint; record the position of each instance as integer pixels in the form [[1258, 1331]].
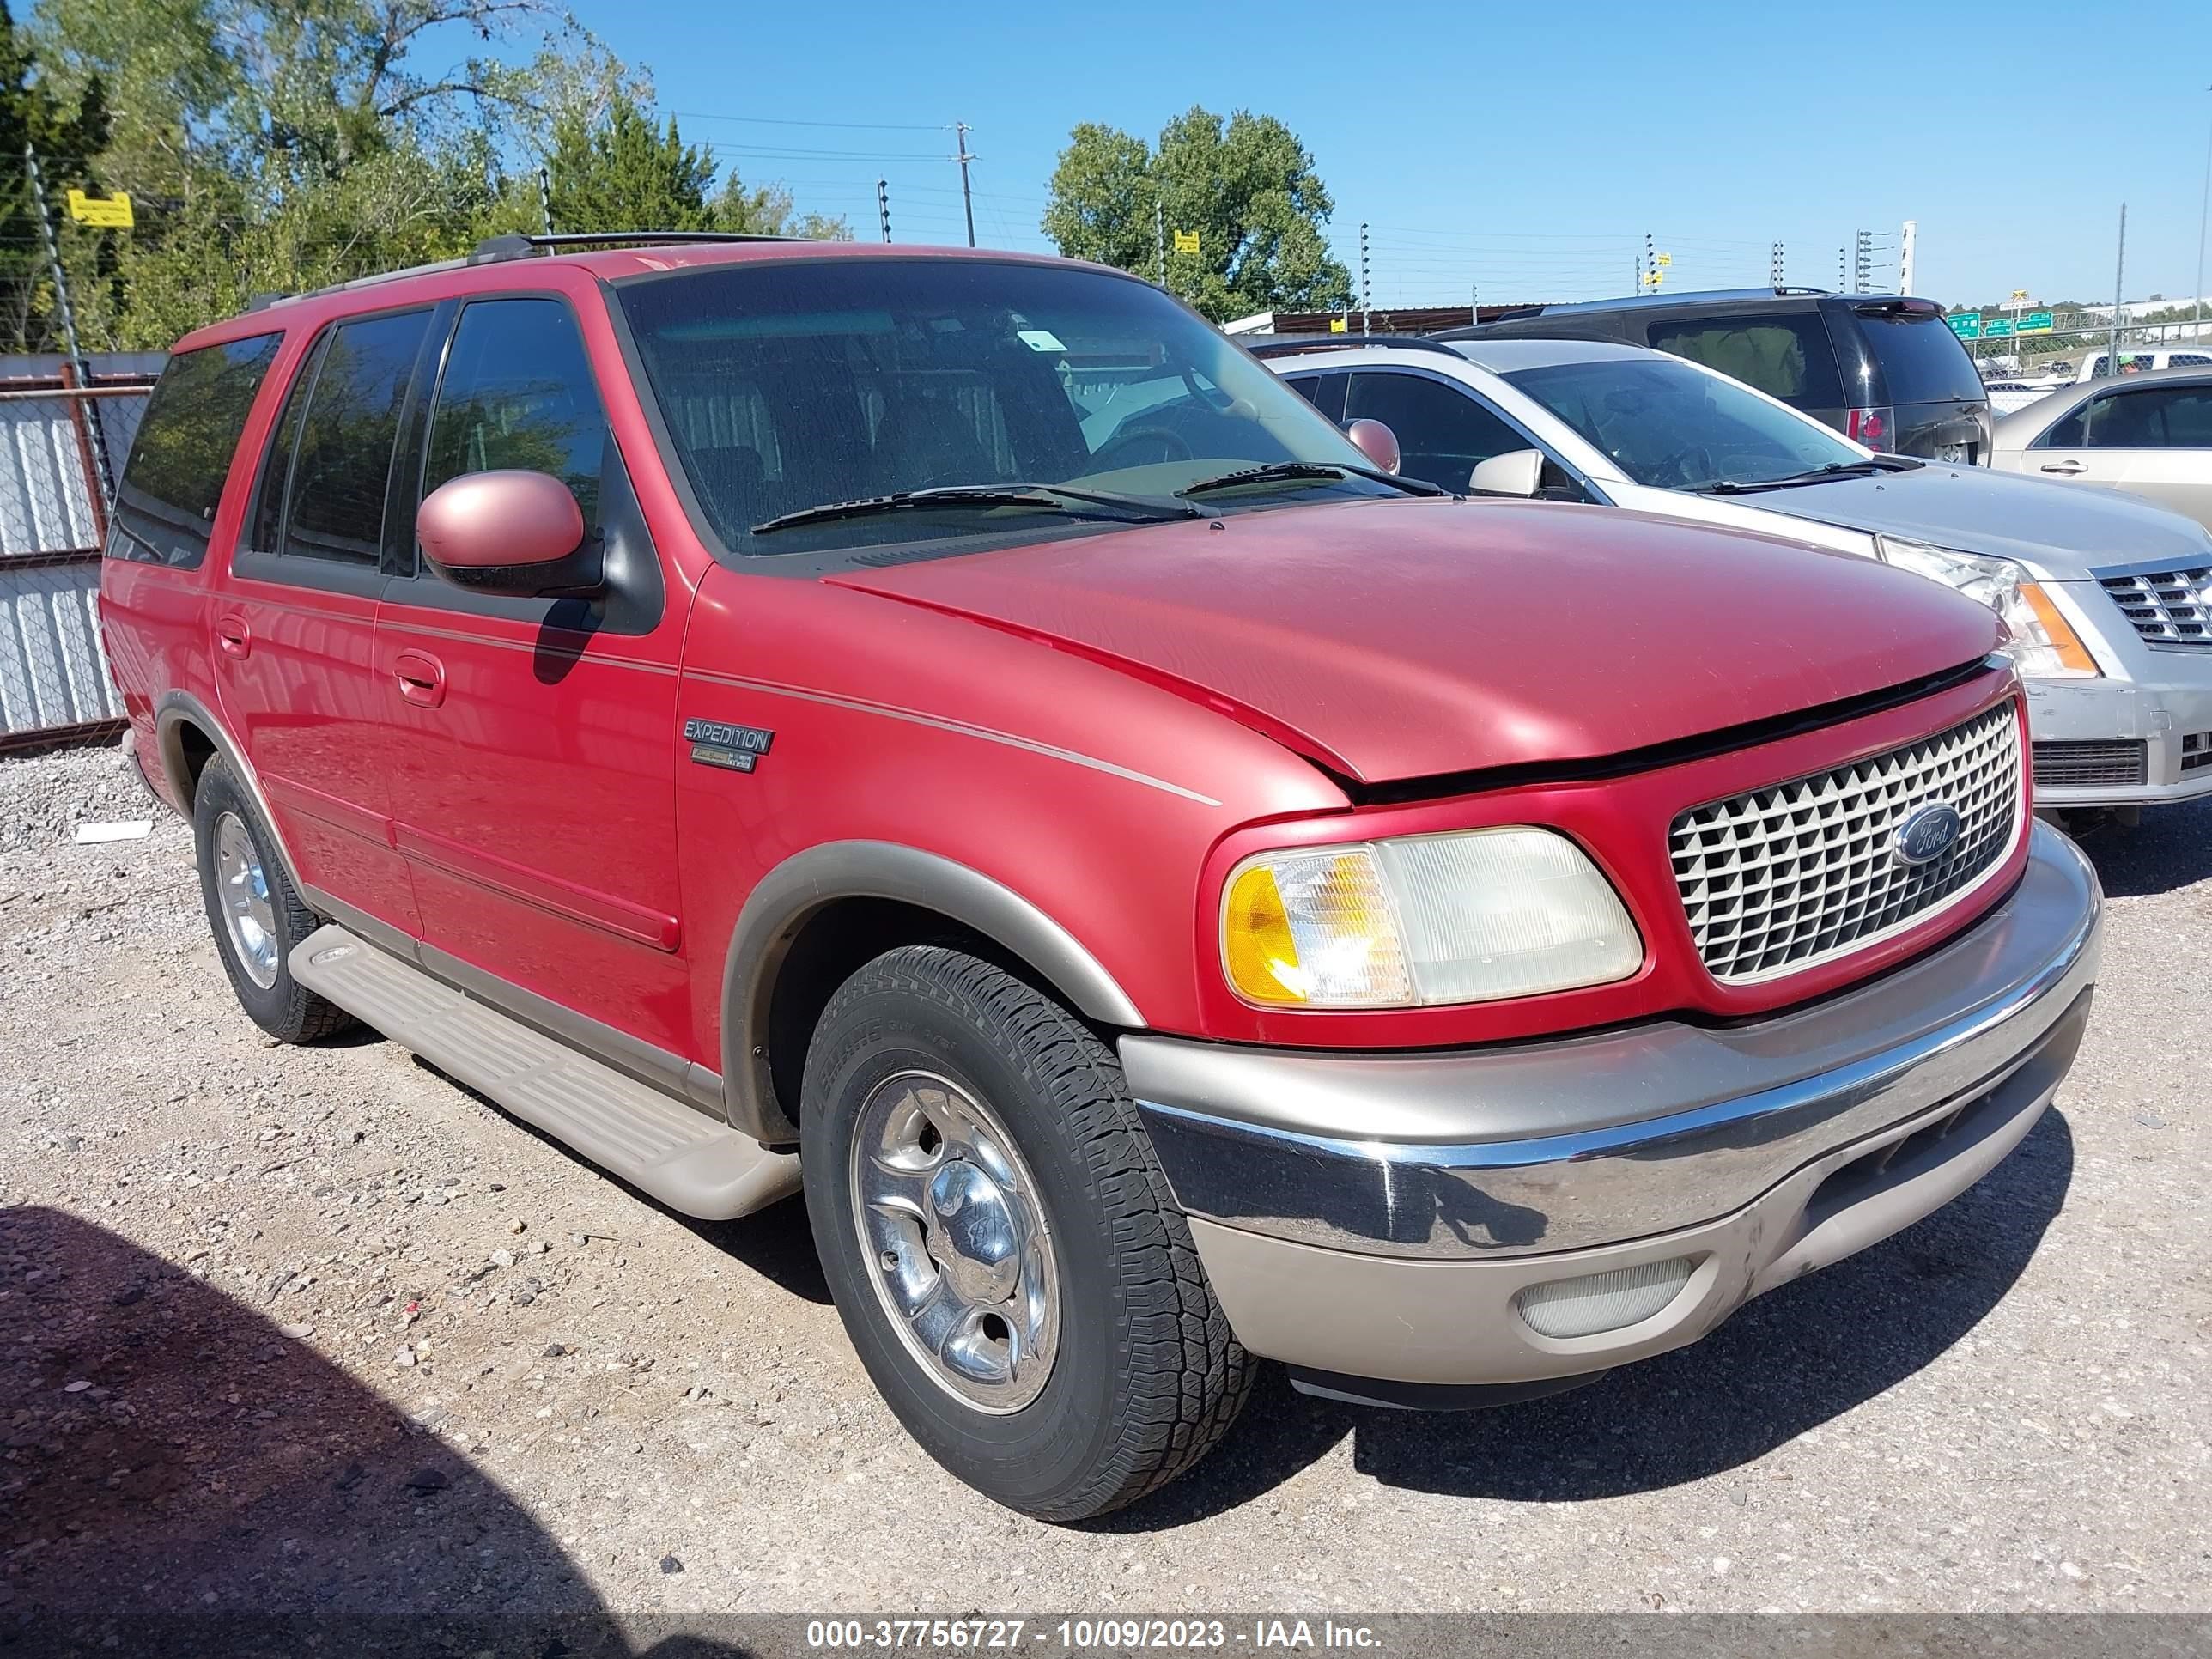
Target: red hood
[[1390, 640]]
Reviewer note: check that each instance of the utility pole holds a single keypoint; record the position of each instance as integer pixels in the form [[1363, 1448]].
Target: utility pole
[[967, 199], [1364, 327], [1861, 260], [1160, 239], [2119, 293], [883, 207], [1651, 266], [1906, 239], [2203, 210], [1774, 266], [546, 199], [68, 313], [1842, 273], [1473, 304]]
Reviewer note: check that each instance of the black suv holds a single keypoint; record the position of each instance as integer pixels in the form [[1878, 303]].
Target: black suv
[[1878, 368]]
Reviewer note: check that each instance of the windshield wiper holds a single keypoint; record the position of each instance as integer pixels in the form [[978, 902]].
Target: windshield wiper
[[1274, 470], [1047, 498], [1816, 475]]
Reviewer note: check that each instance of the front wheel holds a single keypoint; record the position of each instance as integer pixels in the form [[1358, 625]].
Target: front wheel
[[1001, 1245]]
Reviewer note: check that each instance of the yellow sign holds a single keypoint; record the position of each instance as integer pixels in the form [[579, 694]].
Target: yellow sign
[[1663, 260], [1186, 242], [1339, 326], [101, 212]]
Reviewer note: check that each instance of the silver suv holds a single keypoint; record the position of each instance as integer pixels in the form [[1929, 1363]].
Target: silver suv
[[2107, 597]]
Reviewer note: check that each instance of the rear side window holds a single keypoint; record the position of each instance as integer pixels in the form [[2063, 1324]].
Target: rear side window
[[1787, 355], [1921, 359], [1324, 392], [1442, 432], [166, 506], [343, 442], [2156, 417], [518, 393]]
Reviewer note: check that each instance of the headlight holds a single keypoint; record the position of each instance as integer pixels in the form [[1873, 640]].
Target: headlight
[[1464, 917], [2043, 645]]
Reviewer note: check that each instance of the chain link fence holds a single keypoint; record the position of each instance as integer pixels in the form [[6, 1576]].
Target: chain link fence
[[61, 445]]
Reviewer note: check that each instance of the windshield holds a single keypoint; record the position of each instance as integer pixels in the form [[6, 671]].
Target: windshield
[[790, 385], [1674, 427]]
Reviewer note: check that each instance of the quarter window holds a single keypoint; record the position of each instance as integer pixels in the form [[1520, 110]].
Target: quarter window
[[341, 441], [166, 506], [1786, 357], [518, 393]]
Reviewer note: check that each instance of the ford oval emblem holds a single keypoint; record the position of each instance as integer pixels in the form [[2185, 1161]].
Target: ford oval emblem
[[1927, 835]]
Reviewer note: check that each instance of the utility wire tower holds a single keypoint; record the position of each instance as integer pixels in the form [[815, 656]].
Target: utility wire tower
[[2119, 293], [883, 206], [1160, 239], [1861, 261], [1774, 267], [1364, 327], [967, 198]]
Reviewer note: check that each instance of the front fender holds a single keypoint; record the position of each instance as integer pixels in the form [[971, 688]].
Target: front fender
[[784, 899]]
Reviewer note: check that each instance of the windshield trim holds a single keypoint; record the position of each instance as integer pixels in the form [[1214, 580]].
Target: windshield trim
[[810, 563]]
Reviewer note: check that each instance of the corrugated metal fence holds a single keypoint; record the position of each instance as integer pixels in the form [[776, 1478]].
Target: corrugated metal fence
[[61, 443]]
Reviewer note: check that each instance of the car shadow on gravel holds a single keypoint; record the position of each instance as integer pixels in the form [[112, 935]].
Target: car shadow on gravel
[[2171, 847], [178, 1473], [1790, 1361]]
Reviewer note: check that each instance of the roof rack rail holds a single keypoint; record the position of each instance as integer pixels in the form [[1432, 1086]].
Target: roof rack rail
[[1290, 345], [526, 245]]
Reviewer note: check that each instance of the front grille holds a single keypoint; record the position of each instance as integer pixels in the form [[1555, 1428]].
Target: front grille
[[2196, 751], [2084, 765], [2167, 607], [1777, 879]]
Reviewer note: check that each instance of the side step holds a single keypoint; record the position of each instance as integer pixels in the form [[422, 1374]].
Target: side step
[[656, 1142]]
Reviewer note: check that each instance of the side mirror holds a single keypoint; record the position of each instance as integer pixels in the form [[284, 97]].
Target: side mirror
[[1376, 442], [519, 533], [1516, 472]]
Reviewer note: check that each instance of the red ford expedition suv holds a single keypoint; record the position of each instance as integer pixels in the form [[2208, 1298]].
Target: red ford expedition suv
[[951, 731]]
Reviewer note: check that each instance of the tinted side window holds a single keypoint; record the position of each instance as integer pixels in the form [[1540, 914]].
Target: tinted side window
[[1442, 431], [342, 463], [165, 505], [1324, 392], [518, 393], [276, 471], [1788, 356], [2066, 434], [2160, 417]]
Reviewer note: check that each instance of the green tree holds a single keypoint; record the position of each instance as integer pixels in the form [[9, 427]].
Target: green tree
[[619, 172], [1246, 186], [69, 134]]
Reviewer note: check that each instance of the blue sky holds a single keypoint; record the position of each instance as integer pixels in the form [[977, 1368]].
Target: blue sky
[[1528, 148]]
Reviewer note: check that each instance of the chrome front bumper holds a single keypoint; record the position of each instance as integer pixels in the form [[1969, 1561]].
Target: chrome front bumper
[[1375, 1215]]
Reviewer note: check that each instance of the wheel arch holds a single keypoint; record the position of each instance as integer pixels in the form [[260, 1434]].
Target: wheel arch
[[188, 735], [811, 915]]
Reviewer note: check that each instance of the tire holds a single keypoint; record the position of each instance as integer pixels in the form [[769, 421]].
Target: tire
[[1144, 1376], [225, 826]]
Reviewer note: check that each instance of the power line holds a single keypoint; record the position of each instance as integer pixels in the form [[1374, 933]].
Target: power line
[[845, 126]]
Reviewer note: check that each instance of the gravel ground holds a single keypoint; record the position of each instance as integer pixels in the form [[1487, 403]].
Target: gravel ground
[[304, 1330]]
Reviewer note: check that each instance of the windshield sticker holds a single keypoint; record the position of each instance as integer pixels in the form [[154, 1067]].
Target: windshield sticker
[[1039, 339]]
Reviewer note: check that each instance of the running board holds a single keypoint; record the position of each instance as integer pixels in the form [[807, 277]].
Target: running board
[[671, 1150]]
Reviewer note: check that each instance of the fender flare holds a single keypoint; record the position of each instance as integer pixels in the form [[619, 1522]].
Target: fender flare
[[784, 900], [176, 709]]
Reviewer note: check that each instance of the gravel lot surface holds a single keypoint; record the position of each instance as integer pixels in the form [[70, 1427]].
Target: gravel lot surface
[[298, 1330]]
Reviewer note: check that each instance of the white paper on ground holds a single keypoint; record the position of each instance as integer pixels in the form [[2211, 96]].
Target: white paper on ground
[[89, 834]]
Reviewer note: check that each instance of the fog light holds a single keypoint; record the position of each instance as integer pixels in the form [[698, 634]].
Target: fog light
[[1603, 1302]]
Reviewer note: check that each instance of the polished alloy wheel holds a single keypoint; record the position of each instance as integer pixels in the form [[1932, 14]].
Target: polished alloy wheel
[[952, 1226], [247, 912]]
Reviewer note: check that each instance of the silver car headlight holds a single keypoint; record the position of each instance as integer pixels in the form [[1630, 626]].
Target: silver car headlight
[[1467, 916], [2044, 644]]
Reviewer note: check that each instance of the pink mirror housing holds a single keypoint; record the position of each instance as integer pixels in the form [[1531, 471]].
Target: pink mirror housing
[[1376, 442], [499, 520]]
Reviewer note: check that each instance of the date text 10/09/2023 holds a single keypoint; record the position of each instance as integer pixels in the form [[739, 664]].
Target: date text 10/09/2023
[[1082, 1634]]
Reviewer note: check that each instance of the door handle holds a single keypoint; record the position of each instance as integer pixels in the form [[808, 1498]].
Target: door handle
[[232, 637], [2068, 468], [420, 678]]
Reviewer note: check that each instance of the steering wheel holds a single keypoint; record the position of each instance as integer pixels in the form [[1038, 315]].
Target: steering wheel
[[1692, 463], [1173, 447]]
